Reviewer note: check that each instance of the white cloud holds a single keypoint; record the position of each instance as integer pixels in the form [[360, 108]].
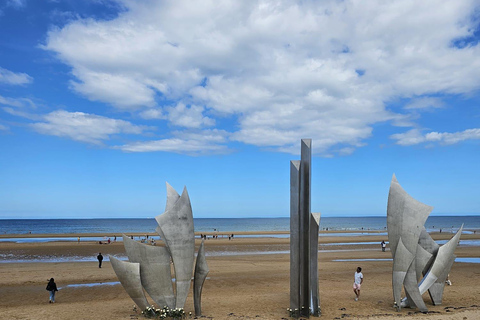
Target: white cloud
[[152, 113], [425, 103], [282, 70], [20, 107], [21, 113], [204, 142], [188, 117], [409, 138], [16, 102], [415, 136], [12, 78], [4, 128], [122, 91], [84, 127]]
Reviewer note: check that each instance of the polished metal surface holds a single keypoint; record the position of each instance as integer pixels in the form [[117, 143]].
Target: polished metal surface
[[149, 266], [177, 232], [201, 272], [304, 297], [128, 273], [441, 267], [155, 271], [419, 263], [294, 235], [314, 290]]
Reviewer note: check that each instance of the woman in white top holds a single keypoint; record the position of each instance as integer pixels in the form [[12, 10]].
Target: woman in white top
[[357, 284]]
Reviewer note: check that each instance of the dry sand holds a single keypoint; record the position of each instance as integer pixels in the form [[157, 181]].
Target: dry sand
[[245, 286]]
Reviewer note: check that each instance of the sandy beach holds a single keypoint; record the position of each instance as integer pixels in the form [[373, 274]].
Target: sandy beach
[[248, 279]]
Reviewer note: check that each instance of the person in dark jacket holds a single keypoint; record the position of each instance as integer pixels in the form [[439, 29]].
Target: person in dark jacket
[[52, 287], [100, 259]]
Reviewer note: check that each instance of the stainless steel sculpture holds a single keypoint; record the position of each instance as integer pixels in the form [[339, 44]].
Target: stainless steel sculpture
[[149, 266], [129, 275], [304, 293], [201, 271], [176, 229], [435, 278], [419, 264], [155, 273]]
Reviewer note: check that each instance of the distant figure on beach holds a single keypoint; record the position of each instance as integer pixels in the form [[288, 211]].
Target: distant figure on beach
[[357, 284], [100, 259], [232, 235], [108, 240], [383, 245], [448, 282], [114, 238], [78, 239], [52, 287]]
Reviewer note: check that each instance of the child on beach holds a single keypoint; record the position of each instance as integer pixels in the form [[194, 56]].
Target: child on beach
[[357, 283], [52, 287]]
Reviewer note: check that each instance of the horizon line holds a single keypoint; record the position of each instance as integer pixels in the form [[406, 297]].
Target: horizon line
[[280, 217]]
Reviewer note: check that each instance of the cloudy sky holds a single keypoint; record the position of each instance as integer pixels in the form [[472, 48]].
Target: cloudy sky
[[102, 101]]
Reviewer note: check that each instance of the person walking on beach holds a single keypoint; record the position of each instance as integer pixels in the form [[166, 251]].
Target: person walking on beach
[[100, 259], [383, 245], [357, 283], [52, 287]]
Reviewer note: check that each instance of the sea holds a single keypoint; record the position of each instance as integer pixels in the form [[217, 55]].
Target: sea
[[103, 227], [148, 225]]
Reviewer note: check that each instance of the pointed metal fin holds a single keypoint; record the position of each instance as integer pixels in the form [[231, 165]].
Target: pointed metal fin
[[201, 271]]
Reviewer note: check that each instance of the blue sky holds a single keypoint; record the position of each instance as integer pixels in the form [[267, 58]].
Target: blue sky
[[101, 102]]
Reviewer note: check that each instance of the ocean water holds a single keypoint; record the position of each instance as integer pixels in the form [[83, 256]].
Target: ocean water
[[63, 226]]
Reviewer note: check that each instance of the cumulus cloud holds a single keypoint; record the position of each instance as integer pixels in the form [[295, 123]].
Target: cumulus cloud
[[122, 91], [282, 70], [84, 127], [189, 117], [152, 113], [12, 78], [190, 143], [415, 136]]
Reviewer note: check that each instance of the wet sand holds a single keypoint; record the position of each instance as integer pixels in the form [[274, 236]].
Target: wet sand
[[248, 284]]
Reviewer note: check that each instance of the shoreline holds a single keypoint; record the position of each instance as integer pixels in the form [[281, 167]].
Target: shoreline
[[467, 233]]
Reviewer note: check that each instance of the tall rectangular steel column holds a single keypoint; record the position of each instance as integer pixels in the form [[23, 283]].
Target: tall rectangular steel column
[[304, 297], [305, 178], [295, 236], [314, 292]]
